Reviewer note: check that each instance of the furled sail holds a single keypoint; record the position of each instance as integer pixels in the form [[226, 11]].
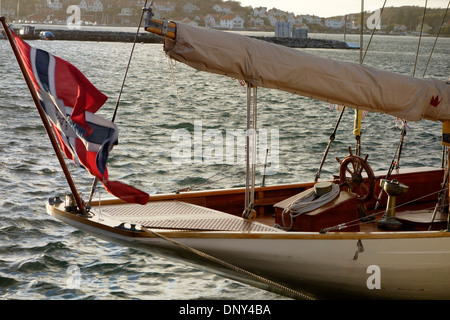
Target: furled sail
[[272, 66]]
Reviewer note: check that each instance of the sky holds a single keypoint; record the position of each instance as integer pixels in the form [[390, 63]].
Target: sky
[[329, 8]]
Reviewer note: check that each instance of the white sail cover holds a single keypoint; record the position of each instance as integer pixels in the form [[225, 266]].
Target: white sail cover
[[272, 66]]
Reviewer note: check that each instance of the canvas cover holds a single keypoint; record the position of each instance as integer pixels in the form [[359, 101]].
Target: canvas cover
[[272, 66]]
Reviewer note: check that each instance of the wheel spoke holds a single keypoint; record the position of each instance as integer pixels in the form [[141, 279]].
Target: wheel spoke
[[363, 188], [348, 170], [361, 168]]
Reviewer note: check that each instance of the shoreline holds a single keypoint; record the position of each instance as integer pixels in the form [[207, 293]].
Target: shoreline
[[309, 43], [145, 37]]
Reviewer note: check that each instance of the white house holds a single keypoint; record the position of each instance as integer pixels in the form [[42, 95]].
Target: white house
[[189, 8], [311, 19], [335, 23], [164, 7], [212, 20], [274, 19], [91, 5], [55, 5], [126, 12], [259, 12], [224, 9], [256, 22], [125, 15], [232, 21], [298, 20], [400, 28], [186, 21]]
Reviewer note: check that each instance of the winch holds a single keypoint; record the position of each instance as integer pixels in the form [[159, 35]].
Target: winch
[[393, 189]]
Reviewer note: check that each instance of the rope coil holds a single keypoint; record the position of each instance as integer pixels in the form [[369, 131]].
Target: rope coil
[[308, 202]]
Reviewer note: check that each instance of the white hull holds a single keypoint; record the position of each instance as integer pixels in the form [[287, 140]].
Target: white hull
[[395, 265]]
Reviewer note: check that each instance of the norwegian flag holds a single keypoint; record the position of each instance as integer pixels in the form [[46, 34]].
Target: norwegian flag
[[70, 101]]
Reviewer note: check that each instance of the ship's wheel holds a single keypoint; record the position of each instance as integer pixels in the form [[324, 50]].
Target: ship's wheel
[[357, 176]]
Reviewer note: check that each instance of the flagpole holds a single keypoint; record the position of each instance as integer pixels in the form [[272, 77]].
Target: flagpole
[[43, 116]]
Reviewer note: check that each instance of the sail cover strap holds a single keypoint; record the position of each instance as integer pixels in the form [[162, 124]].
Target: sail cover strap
[[272, 66]]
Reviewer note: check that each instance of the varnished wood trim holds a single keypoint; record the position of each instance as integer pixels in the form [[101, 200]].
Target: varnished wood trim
[[251, 235]]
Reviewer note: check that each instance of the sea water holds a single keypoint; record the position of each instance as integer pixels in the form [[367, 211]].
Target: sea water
[[42, 258]]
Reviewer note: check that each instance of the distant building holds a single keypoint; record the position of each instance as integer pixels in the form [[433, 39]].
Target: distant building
[[125, 15], [334, 23], [260, 12], [55, 5], [256, 22], [91, 5], [232, 21], [274, 20], [189, 8], [309, 19], [300, 32], [212, 20], [224, 9], [425, 28], [186, 21], [400, 28], [8, 13], [164, 7], [283, 29]]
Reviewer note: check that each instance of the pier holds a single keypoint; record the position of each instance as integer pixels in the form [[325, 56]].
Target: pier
[[309, 43]]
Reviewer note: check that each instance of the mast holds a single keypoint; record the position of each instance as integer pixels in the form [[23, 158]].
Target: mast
[[43, 116], [361, 36]]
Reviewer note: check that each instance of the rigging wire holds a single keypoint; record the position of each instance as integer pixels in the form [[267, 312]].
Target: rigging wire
[[393, 165], [415, 66], [206, 179], [420, 37], [403, 133], [373, 32], [362, 58], [327, 149], [366, 220], [95, 182], [435, 41], [252, 98]]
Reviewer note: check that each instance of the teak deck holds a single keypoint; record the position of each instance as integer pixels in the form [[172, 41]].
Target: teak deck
[[268, 199]]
